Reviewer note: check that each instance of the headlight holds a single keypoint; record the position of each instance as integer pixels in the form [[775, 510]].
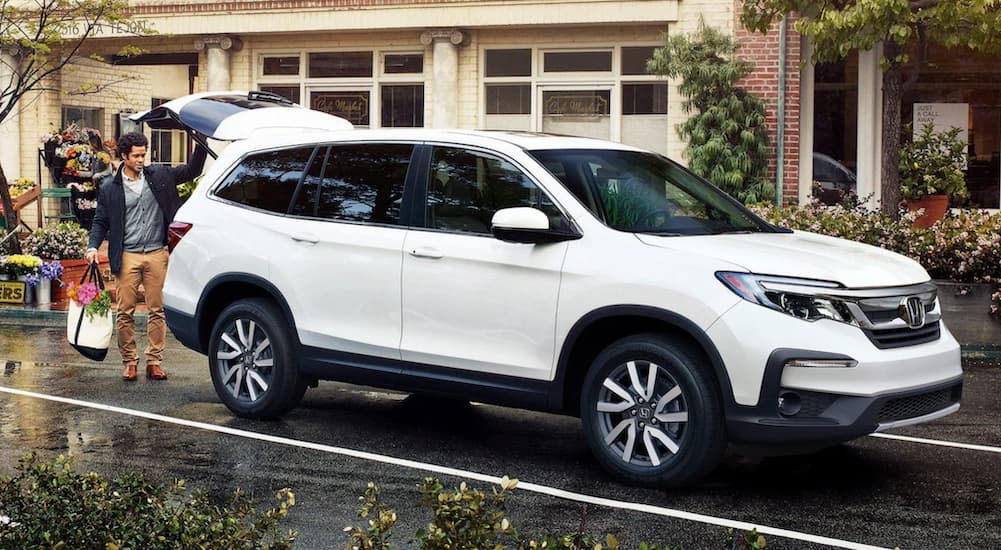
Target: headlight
[[802, 298]]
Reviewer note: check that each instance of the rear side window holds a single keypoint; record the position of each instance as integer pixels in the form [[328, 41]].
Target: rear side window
[[266, 180], [362, 182]]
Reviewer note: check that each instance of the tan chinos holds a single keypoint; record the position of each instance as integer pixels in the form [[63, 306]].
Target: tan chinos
[[150, 270]]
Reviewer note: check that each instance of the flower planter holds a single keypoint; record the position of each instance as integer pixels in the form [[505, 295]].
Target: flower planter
[[934, 207], [73, 270], [966, 311]]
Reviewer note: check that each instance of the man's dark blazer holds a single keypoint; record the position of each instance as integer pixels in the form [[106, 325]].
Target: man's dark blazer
[[109, 220]]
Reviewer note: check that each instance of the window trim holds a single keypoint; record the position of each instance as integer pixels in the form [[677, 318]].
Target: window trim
[[568, 81]]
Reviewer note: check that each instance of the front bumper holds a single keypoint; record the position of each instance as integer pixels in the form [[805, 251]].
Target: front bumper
[[824, 419]]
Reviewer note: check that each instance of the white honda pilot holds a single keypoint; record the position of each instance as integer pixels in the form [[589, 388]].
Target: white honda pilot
[[558, 274]]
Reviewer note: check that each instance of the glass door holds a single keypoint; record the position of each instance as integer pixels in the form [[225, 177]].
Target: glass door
[[577, 111]]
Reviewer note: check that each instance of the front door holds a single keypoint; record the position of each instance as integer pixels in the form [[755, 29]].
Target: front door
[[471, 301]]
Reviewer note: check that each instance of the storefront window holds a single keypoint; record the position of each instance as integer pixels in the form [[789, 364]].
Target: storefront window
[[340, 64], [835, 129], [963, 89], [403, 106]]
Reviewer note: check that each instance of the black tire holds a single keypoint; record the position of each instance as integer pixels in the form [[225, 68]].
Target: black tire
[[251, 360], [685, 410]]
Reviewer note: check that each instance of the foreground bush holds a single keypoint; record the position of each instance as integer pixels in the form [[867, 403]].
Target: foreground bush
[[49, 505], [964, 247], [466, 518]]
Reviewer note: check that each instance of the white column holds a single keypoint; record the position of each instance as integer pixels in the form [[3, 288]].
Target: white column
[[217, 52], [870, 125], [806, 113], [10, 129], [445, 74]]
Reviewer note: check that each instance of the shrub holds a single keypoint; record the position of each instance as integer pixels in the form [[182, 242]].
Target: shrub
[[726, 134], [964, 247], [49, 505], [466, 518], [58, 241]]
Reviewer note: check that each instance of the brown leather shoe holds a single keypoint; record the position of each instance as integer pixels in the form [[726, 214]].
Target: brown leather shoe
[[129, 373], [154, 372]]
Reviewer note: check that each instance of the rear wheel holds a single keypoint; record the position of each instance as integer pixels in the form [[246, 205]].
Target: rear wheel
[[251, 360], [651, 412]]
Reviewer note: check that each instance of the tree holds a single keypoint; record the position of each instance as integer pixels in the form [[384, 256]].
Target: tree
[[904, 28], [727, 140], [45, 36]]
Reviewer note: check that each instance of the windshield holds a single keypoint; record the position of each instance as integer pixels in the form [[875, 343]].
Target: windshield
[[645, 193]]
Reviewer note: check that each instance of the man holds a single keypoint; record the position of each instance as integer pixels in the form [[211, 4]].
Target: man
[[134, 208]]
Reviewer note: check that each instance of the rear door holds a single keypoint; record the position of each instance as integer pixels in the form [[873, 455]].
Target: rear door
[[341, 245]]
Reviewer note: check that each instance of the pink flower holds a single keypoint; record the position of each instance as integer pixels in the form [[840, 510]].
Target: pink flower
[[86, 293]]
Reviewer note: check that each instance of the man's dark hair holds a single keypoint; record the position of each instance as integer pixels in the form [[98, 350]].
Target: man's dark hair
[[130, 140]]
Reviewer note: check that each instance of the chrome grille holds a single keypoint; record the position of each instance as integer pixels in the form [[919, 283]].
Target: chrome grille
[[902, 337]]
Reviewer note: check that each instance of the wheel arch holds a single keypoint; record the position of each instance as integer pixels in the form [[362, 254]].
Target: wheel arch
[[599, 328], [226, 288]]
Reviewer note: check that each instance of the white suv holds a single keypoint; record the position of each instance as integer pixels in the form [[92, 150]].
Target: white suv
[[560, 274]]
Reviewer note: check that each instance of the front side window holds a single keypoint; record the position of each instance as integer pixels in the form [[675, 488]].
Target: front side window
[[467, 187], [641, 192], [266, 180], [362, 182]]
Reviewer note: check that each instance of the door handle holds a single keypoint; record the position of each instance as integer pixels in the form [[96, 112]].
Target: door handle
[[426, 252], [305, 238]]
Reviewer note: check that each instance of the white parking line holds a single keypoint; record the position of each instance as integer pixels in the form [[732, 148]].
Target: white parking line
[[444, 470], [940, 443]]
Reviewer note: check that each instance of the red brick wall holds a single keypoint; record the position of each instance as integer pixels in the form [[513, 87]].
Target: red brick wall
[[763, 51]]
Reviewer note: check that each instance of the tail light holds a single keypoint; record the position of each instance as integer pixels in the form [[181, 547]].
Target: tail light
[[176, 232]]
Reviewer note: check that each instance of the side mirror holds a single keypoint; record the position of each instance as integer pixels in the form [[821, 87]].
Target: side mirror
[[527, 225]]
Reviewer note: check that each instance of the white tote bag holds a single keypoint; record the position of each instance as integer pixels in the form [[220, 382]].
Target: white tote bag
[[89, 335]]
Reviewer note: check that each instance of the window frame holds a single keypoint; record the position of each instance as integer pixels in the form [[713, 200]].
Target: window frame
[[373, 84], [565, 81]]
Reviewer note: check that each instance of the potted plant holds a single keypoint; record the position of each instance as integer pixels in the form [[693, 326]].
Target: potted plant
[[931, 172]]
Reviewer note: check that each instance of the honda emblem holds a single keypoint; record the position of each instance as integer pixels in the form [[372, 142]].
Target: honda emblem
[[912, 310]]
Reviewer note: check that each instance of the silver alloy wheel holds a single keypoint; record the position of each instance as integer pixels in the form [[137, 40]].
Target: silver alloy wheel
[[642, 413], [245, 360]]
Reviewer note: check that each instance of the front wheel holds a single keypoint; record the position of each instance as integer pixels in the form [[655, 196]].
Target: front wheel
[[651, 412], [251, 360]]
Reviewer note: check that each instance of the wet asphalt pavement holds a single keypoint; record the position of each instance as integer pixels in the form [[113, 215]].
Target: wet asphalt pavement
[[872, 491]]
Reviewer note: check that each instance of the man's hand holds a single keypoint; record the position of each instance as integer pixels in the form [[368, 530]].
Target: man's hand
[[91, 255]]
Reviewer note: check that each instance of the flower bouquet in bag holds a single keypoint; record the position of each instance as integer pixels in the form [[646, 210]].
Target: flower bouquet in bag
[[88, 324]]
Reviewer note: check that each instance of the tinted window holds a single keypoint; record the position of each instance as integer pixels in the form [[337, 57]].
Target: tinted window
[[306, 200], [467, 187], [363, 182], [645, 193], [266, 180]]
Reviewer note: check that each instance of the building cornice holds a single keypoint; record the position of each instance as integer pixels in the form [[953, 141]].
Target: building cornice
[[247, 17]]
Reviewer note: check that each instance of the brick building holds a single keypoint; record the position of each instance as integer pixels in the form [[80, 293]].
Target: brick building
[[573, 67]]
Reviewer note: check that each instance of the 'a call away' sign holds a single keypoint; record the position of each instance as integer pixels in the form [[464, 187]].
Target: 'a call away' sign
[[12, 292], [943, 117]]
